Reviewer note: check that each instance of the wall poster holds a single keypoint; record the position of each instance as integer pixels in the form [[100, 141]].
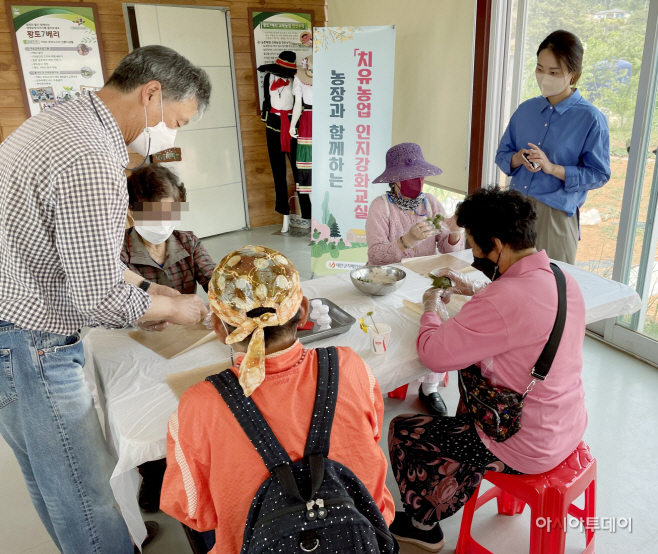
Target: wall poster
[[58, 51], [352, 124], [272, 32]]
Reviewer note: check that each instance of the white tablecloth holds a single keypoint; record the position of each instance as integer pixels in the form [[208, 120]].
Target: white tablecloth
[[603, 298], [137, 401]]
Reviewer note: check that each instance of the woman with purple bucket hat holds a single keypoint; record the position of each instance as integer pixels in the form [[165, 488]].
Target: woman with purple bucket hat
[[397, 227]]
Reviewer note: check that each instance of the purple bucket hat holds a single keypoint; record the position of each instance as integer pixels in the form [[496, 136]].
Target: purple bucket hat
[[405, 161]]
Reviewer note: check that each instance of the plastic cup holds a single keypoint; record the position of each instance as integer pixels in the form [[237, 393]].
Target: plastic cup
[[379, 341], [316, 303], [323, 309]]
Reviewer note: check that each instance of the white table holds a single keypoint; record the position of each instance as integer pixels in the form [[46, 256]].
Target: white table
[[603, 298], [137, 401]]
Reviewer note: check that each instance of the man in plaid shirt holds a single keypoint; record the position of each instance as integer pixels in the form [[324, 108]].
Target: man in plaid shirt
[[63, 204]]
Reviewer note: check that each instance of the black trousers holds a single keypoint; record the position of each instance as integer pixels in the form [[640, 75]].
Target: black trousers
[[305, 205], [278, 163]]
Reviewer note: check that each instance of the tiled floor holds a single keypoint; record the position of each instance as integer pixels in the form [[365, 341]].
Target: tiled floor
[[622, 432]]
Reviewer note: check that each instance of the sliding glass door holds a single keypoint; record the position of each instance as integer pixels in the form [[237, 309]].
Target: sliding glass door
[[635, 259], [619, 230]]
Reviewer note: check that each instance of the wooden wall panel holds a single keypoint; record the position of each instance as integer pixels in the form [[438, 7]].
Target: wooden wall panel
[[260, 184]]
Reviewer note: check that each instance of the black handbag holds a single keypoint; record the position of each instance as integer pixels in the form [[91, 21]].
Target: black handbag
[[497, 410]]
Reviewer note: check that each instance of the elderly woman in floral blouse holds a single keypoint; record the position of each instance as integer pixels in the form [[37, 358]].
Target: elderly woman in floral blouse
[[397, 227]]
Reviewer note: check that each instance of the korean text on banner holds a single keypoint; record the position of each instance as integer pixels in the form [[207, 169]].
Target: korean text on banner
[[352, 124], [59, 52]]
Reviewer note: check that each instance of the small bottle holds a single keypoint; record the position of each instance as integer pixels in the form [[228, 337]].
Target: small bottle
[[316, 305], [325, 322]]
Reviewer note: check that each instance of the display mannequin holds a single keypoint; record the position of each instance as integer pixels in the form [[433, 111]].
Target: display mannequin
[[277, 111], [303, 91]]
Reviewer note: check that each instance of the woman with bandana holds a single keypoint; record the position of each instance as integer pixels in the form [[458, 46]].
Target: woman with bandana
[[213, 470], [397, 227], [557, 147]]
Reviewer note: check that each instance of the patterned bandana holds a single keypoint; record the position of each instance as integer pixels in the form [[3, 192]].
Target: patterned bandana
[[249, 278], [406, 203]]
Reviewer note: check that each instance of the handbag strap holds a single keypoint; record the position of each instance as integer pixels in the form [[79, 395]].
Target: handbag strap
[[547, 356]]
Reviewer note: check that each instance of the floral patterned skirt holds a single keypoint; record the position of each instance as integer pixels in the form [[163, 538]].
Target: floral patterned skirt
[[438, 462]]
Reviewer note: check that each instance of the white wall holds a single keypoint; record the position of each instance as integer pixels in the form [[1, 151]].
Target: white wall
[[433, 74]]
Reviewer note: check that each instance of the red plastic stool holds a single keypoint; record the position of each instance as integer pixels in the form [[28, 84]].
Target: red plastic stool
[[550, 495], [401, 392]]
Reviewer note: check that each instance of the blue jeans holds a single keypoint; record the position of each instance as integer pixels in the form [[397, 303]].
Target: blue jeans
[[48, 418]]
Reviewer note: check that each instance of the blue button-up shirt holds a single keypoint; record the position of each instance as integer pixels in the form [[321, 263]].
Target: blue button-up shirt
[[573, 134]]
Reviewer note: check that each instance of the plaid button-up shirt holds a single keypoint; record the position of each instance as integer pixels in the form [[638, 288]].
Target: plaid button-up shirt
[[187, 262], [63, 205]]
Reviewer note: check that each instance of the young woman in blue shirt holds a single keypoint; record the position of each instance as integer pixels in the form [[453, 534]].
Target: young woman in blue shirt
[[557, 147]]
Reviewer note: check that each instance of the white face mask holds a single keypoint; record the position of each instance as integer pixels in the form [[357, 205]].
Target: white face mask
[[551, 85], [155, 234], [154, 139]]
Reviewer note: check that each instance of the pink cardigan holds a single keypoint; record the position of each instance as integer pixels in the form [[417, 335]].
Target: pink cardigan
[[384, 227], [509, 322]]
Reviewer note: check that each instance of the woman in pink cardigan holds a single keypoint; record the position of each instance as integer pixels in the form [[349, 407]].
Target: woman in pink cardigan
[[438, 462], [397, 228]]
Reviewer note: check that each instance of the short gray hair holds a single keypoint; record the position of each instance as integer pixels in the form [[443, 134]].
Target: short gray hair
[[180, 79]]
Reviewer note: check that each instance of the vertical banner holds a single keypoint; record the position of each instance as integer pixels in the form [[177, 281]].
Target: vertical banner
[[272, 32], [58, 51], [352, 124]]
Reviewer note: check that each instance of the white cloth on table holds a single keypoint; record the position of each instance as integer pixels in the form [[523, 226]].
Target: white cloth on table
[[604, 298], [137, 403]]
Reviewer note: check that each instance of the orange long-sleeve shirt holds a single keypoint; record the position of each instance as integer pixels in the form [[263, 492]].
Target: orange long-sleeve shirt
[[214, 472]]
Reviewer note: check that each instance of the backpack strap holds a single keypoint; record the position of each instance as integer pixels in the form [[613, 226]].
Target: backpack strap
[[250, 419], [325, 403], [262, 437], [317, 443]]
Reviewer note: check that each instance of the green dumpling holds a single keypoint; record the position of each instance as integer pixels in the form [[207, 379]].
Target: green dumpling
[[440, 282], [436, 220]]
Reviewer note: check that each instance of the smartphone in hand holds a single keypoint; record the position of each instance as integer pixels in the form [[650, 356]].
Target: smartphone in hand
[[534, 165]]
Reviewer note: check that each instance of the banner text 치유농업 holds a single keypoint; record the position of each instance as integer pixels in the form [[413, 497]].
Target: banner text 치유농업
[[352, 125]]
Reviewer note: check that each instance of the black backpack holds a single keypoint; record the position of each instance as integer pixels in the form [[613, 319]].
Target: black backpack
[[314, 504]]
